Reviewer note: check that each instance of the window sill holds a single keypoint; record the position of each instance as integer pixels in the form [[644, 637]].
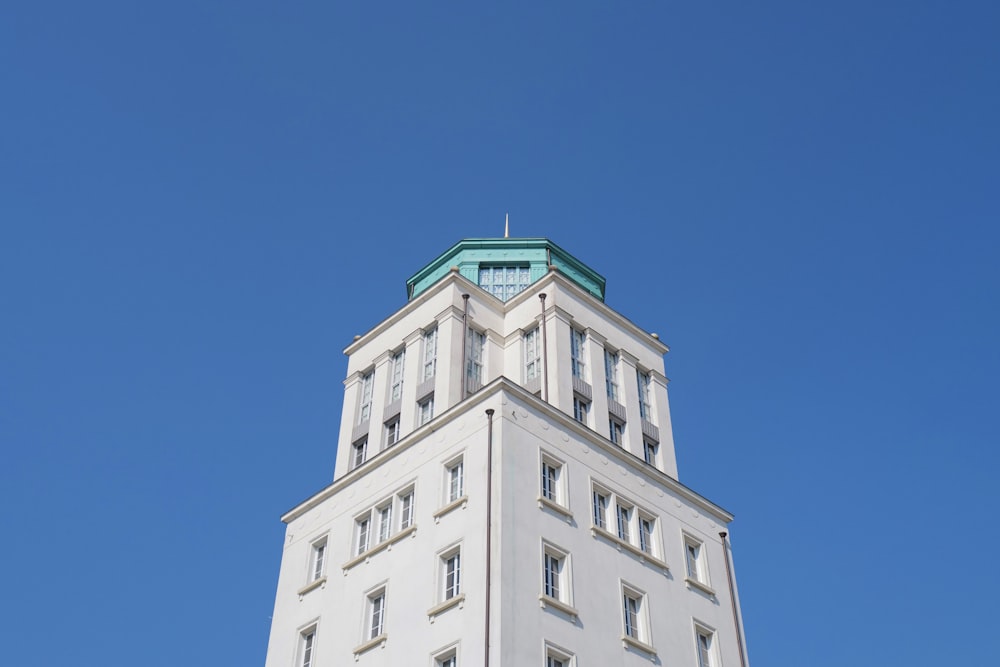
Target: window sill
[[453, 505], [548, 601], [622, 544], [704, 588], [381, 546], [635, 643], [544, 502], [370, 644], [458, 600], [312, 585]]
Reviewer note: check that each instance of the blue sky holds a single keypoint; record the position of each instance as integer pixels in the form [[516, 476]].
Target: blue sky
[[201, 203]]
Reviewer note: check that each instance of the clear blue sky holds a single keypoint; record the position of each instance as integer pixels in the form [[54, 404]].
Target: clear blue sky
[[201, 203]]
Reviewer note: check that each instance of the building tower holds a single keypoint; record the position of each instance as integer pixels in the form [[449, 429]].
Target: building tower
[[505, 490]]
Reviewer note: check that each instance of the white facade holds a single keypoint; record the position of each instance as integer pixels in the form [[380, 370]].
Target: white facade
[[595, 556]]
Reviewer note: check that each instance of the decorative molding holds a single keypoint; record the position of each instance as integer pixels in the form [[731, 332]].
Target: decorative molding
[[312, 585], [642, 646], [370, 644], [544, 502], [704, 588], [458, 600], [381, 546], [453, 505], [597, 531], [548, 601]]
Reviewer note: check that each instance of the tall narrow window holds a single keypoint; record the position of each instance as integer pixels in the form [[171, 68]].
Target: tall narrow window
[[550, 480], [632, 609], [532, 355], [450, 661], [307, 641], [384, 522], [611, 374], [430, 354], [476, 342], [705, 640], [646, 534], [376, 614], [649, 449], [581, 410], [406, 510], [396, 377], [318, 559], [456, 487], [644, 411], [362, 531], [365, 409], [617, 430], [425, 410], [578, 338], [452, 575], [693, 560], [358, 453], [600, 509], [552, 567], [392, 432], [552, 661], [624, 518]]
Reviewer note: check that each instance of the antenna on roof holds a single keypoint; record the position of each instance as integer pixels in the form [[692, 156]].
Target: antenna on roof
[[506, 226]]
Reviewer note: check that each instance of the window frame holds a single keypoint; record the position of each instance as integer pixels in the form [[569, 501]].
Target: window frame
[[454, 484], [532, 354], [397, 363], [318, 557], [306, 645], [581, 409], [616, 431], [450, 573], [365, 396], [707, 652], [552, 653], [612, 359], [578, 344], [392, 432], [696, 562], [375, 605], [651, 451], [429, 359], [425, 410], [644, 380], [359, 452], [552, 486], [475, 359]]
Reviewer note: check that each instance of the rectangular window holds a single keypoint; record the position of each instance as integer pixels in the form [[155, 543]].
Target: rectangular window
[[318, 563], [616, 431], [396, 376], [392, 432], [362, 530], [359, 452], [456, 483], [649, 450], [632, 603], [452, 570], [406, 510], [376, 614], [705, 641], [551, 472], [581, 410], [430, 354], [532, 355], [624, 515], [307, 643], [646, 525], [425, 411], [552, 568], [578, 338], [475, 344], [552, 661], [504, 282], [611, 374], [450, 661], [365, 409], [694, 561], [384, 522], [644, 411], [600, 509], [557, 657]]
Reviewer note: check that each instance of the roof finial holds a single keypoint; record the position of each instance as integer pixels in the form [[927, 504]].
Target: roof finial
[[506, 226]]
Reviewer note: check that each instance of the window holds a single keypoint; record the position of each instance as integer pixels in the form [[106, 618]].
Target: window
[[551, 473], [644, 411], [384, 522], [376, 614], [359, 452], [635, 616], [552, 661], [317, 565], [365, 411], [392, 432], [600, 509], [649, 451], [624, 515], [578, 338], [532, 355], [425, 411], [307, 643], [456, 483], [396, 376], [406, 510], [430, 354], [706, 639], [616, 431], [450, 661], [611, 374], [451, 574], [557, 657], [504, 282], [552, 573], [362, 530], [646, 526], [694, 560], [581, 409], [476, 342]]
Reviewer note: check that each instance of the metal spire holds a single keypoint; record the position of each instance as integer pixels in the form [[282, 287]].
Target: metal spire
[[506, 226]]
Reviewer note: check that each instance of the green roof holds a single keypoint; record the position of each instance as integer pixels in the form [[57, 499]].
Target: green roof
[[469, 255]]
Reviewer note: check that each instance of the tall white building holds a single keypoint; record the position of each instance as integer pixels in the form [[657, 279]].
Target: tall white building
[[505, 490]]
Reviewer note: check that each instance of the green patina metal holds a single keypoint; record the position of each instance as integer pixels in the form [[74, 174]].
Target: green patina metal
[[469, 255]]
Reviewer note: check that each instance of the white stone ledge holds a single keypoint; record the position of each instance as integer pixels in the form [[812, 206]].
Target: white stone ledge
[[453, 505], [381, 546], [370, 644], [555, 507], [642, 646], [549, 601], [458, 600], [622, 544], [312, 585], [703, 587]]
